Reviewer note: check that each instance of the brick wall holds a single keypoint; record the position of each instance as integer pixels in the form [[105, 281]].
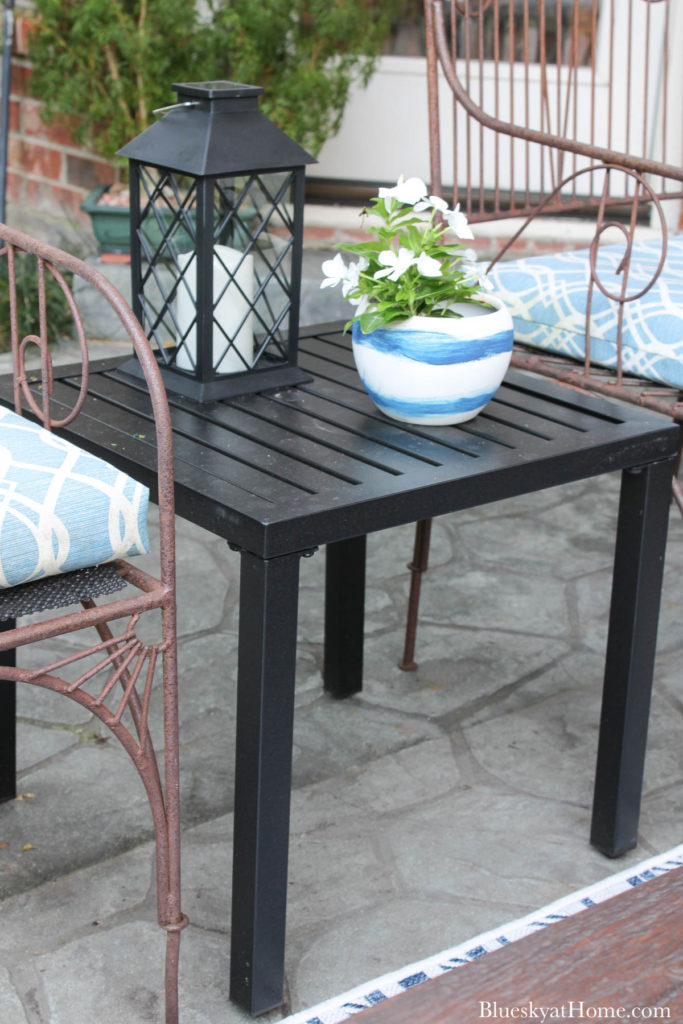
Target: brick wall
[[45, 168]]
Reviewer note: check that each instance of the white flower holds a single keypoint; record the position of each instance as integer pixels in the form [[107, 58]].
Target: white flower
[[335, 272], [432, 202], [395, 264], [361, 304], [353, 273], [457, 221], [428, 265], [410, 192], [470, 266]]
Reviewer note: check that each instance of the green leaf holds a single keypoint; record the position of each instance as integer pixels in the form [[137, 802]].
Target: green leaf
[[371, 321]]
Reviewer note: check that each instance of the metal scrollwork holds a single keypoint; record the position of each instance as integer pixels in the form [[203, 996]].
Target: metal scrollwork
[[20, 347], [643, 193]]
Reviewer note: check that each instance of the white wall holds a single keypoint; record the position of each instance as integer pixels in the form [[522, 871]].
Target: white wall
[[384, 131]]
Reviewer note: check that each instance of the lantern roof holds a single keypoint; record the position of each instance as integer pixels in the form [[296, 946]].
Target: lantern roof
[[217, 129]]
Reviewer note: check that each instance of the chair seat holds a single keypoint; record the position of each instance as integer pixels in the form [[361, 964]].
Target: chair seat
[[547, 296], [62, 509], [58, 591]]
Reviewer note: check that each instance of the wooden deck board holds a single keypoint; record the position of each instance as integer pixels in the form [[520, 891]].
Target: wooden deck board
[[622, 954]]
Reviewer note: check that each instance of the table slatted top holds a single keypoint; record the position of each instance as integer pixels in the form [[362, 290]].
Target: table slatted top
[[283, 471]]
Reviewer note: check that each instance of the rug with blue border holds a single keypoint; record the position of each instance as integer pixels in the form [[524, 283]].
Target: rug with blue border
[[341, 1007]]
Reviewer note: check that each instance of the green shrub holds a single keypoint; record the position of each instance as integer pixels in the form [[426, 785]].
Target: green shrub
[[58, 314], [104, 65], [305, 53]]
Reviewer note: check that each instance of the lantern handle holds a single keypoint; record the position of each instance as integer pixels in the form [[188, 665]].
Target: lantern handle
[[175, 106]]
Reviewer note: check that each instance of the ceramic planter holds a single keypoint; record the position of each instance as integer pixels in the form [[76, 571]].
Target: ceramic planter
[[436, 370]]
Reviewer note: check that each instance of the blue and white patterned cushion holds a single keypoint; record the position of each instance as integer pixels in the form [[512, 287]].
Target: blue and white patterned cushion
[[60, 508], [547, 296]]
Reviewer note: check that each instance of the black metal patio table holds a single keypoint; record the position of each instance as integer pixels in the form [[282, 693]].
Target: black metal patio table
[[279, 474]]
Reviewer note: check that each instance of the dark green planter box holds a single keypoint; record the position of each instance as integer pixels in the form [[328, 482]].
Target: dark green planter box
[[111, 225]]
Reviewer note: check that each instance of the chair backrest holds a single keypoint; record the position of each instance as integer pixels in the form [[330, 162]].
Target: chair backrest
[[54, 271], [526, 95]]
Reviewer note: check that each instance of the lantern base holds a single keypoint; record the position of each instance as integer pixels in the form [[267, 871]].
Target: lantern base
[[230, 386]]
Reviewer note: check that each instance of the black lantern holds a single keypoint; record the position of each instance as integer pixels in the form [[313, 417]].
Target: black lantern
[[217, 198]]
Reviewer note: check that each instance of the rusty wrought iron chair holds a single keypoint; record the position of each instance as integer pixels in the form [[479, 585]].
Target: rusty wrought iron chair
[[565, 107], [110, 673]]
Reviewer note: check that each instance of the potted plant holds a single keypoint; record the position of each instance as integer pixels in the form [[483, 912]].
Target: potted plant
[[430, 342]]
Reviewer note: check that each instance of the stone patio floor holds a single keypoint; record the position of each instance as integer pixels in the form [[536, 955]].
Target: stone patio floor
[[435, 805]]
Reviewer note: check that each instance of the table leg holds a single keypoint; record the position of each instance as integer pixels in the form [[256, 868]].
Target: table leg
[[344, 616], [636, 592], [8, 727], [265, 716]]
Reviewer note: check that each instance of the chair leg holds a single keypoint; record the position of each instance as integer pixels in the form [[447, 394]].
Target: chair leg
[[164, 803], [423, 531], [124, 659], [678, 494], [8, 727]]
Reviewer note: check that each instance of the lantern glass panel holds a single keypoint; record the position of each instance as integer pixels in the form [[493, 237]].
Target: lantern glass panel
[[235, 237]]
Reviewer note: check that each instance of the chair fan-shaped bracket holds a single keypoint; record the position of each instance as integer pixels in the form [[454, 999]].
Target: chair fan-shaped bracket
[[109, 677]]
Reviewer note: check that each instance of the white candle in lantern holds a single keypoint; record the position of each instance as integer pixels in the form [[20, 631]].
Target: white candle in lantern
[[231, 305]]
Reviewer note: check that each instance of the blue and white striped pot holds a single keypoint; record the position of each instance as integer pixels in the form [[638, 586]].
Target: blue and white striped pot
[[436, 370]]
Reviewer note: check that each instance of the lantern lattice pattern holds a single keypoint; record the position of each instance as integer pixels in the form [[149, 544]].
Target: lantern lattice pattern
[[217, 196], [252, 235]]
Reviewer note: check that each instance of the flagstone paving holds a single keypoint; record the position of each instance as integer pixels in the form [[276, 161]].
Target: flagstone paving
[[433, 806]]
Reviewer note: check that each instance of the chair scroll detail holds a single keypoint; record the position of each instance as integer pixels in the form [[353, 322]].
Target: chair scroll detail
[[112, 674], [527, 93]]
